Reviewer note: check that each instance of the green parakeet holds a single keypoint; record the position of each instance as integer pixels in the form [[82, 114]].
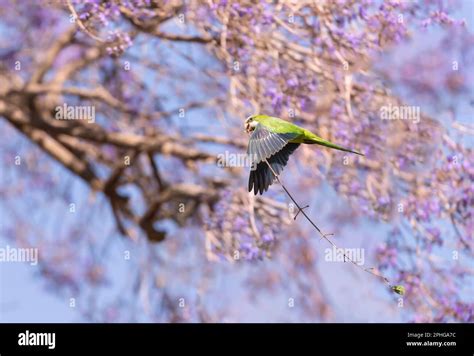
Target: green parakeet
[[274, 140]]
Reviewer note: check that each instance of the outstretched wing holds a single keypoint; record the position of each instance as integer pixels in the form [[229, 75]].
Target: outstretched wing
[[262, 177], [264, 143]]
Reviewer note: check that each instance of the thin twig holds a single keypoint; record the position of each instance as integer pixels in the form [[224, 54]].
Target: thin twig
[[395, 288], [80, 24]]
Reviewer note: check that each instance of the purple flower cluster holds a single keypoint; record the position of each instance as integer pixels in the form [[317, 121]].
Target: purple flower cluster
[[98, 11], [121, 41], [100, 16], [442, 18]]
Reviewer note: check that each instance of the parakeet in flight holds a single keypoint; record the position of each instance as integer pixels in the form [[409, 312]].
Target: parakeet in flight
[[274, 140]]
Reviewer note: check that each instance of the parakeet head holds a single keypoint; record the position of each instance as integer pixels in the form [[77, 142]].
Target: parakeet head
[[251, 123]]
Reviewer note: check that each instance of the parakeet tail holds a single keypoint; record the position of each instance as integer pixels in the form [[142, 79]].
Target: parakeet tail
[[320, 141]]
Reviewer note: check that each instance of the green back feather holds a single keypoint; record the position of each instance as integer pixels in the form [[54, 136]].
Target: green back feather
[[280, 126]]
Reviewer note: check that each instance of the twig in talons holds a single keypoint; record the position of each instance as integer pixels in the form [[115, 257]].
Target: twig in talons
[[299, 210], [395, 288], [293, 199]]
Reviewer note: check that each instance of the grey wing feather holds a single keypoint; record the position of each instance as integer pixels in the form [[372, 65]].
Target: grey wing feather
[[263, 143], [262, 176]]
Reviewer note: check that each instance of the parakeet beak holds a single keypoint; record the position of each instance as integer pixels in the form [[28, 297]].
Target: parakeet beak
[[247, 127]]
